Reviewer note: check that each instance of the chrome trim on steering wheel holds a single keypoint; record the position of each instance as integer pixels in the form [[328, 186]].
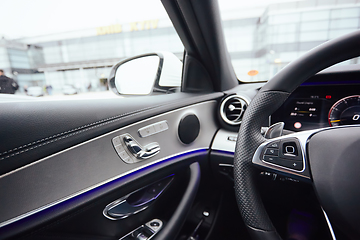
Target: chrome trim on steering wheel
[[303, 138]]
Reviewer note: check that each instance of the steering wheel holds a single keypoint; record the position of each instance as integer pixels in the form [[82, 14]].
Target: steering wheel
[[329, 157]]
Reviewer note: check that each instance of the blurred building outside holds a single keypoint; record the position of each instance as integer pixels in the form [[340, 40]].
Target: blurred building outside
[[261, 41]]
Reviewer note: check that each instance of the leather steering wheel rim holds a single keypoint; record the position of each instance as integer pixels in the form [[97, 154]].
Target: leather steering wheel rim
[[271, 96]]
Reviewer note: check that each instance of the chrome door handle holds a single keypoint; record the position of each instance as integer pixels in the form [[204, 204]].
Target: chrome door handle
[[150, 150], [136, 201], [122, 209]]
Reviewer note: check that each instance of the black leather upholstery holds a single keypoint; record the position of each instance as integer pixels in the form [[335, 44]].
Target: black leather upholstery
[[249, 139]]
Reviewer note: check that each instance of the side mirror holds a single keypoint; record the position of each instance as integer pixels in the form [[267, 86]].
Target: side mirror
[[153, 73]]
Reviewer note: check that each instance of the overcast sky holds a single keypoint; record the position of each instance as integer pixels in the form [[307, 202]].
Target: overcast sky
[[25, 18]]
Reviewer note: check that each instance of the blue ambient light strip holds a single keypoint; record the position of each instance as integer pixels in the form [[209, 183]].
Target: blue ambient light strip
[[27, 217]]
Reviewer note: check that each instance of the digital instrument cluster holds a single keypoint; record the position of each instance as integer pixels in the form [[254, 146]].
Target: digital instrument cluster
[[322, 102]]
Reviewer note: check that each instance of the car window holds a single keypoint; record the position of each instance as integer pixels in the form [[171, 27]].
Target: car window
[[66, 49], [59, 49], [264, 36]]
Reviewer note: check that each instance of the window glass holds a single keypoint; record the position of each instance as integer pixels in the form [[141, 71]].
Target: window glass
[[340, 32], [262, 37], [284, 18], [74, 44], [283, 28], [345, 13], [344, 23], [313, 26], [315, 15], [281, 31], [314, 36]]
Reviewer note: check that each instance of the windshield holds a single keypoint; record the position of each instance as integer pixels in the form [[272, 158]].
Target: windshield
[[66, 49], [264, 36]]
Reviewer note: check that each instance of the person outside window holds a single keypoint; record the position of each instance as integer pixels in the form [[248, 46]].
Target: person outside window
[[7, 85]]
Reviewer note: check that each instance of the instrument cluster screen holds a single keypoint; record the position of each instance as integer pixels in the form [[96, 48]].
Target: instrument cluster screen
[[318, 105]]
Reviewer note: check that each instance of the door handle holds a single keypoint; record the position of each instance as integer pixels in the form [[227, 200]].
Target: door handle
[[136, 201], [149, 150], [123, 209]]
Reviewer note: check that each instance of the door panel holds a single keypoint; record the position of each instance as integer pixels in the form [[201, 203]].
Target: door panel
[[37, 129], [62, 182], [88, 221]]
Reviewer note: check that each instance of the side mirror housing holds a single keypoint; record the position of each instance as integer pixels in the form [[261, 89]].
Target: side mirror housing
[[153, 73]]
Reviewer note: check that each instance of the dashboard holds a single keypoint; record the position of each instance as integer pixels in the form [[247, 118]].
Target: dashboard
[[324, 100], [329, 98]]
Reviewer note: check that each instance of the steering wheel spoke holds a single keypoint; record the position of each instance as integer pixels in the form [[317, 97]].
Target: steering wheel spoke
[[285, 155]]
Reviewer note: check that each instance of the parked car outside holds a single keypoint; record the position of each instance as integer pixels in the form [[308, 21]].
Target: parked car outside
[[69, 90], [35, 91]]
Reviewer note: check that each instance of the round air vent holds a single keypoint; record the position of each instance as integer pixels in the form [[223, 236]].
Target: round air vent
[[232, 109]]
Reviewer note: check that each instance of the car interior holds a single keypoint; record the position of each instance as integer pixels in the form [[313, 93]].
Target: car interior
[[215, 159]]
